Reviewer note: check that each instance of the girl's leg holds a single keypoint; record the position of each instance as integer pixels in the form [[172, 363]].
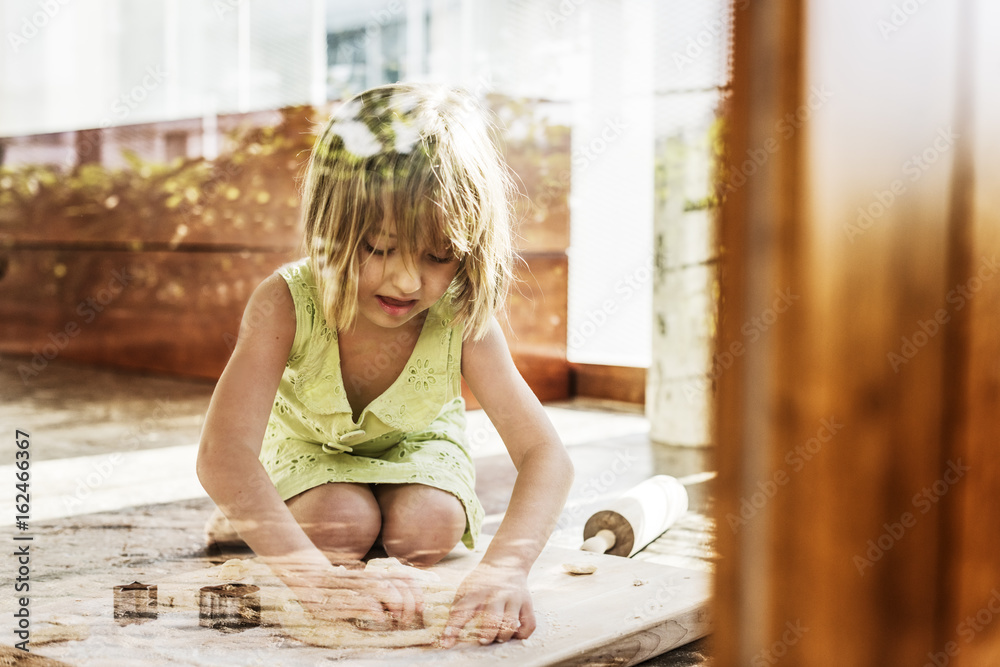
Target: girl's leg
[[420, 524], [341, 519]]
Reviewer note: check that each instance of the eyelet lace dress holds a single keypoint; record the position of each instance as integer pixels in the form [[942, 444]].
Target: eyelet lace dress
[[412, 433]]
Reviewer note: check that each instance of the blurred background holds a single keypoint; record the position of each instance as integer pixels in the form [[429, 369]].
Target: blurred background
[[827, 284], [150, 156], [166, 137]]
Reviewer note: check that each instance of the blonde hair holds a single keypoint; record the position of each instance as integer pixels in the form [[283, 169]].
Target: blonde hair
[[422, 156]]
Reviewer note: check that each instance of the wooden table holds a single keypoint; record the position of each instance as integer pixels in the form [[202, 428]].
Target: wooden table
[[626, 612]]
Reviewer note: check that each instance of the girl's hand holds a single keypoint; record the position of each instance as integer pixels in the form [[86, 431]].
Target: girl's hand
[[496, 602], [378, 601]]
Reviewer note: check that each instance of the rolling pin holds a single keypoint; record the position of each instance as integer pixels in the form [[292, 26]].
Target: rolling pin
[[640, 515]]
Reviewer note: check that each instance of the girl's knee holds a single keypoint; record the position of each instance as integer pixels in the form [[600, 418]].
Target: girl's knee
[[420, 524], [342, 520]]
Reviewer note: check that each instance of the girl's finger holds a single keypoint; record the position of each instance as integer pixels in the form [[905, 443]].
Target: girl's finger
[[409, 604], [416, 591], [391, 599], [462, 611], [362, 608], [527, 620], [510, 623], [490, 620]]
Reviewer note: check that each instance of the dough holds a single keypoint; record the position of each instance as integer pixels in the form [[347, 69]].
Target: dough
[[279, 608], [393, 566], [580, 568], [298, 624], [235, 569]]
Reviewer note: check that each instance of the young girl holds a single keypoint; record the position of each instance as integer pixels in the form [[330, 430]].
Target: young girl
[[338, 422]]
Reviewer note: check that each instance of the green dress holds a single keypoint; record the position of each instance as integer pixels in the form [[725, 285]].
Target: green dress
[[412, 433]]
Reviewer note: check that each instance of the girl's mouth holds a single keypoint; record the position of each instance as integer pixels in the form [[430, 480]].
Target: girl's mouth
[[395, 306]]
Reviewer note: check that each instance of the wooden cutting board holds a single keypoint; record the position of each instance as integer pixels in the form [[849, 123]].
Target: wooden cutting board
[[625, 612]]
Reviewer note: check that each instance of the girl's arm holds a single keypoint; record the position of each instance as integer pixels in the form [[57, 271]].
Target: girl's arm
[[228, 465], [497, 590], [229, 469]]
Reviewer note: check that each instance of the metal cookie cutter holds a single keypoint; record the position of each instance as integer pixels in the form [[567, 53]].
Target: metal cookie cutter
[[229, 607], [135, 603]]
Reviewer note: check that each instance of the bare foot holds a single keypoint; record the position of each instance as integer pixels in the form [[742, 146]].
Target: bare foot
[[220, 533]]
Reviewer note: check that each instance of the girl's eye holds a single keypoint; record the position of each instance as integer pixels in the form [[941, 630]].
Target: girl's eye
[[372, 250], [439, 260]]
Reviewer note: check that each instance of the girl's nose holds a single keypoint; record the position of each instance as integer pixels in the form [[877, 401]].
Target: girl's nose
[[404, 275]]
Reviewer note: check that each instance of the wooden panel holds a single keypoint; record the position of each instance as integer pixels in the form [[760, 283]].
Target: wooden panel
[[536, 308], [538, 152], [171, 312], [615, 383], [836, 467], [535, 326], [244, 199], [217, 228], [970, 624]]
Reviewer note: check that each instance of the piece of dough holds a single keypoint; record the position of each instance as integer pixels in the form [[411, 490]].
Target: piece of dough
[[580, 568], [235, 569], [393, 566], [300, 625]]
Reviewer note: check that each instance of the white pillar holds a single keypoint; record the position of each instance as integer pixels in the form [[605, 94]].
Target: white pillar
[[243, 55], [317, 54]]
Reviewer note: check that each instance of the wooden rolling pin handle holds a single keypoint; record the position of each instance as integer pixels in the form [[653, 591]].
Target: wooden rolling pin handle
[[600, 543]]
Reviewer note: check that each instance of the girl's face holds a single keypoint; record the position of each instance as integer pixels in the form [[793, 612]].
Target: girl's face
[[393, 289]]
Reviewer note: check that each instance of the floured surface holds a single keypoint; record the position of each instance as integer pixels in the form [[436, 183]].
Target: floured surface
[[626, 608]]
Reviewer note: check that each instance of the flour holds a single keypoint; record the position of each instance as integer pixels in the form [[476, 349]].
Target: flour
[[55, 631]]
